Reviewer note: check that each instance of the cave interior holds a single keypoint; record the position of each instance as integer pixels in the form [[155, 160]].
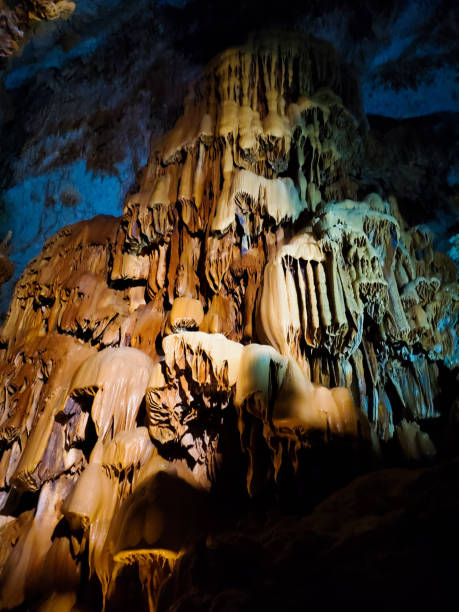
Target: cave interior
[[229, 304]]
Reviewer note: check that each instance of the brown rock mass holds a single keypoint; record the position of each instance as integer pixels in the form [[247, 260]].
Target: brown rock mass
[[244, 311]]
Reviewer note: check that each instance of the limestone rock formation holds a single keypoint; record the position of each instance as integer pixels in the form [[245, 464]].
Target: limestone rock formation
[[17, 18], [245, 310]]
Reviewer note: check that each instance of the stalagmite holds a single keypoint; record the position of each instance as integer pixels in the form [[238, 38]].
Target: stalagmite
[[244, 313]]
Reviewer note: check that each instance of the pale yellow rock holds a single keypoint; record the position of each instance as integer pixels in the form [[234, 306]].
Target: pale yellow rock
[[185, 313], [256, 360], [187, 347], [276, 198], [119, 378]]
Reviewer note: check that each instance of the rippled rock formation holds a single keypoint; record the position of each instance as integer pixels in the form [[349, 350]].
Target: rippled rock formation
[[248, 324]]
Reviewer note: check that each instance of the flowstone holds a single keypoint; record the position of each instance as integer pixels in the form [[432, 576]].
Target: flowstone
[[244, 310]]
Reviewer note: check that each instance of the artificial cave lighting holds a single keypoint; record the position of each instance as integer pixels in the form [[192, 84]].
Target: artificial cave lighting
[[250, 313]]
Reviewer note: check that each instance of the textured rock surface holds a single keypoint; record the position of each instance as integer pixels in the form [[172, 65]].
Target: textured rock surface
[[250, 333]]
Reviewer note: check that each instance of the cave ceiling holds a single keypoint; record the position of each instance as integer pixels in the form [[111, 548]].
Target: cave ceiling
[[85, 86]]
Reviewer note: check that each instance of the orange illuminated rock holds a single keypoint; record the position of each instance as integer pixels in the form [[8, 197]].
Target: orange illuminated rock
[[244, 313]]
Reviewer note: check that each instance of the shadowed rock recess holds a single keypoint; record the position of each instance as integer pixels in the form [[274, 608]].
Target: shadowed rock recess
[[185, 389]]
